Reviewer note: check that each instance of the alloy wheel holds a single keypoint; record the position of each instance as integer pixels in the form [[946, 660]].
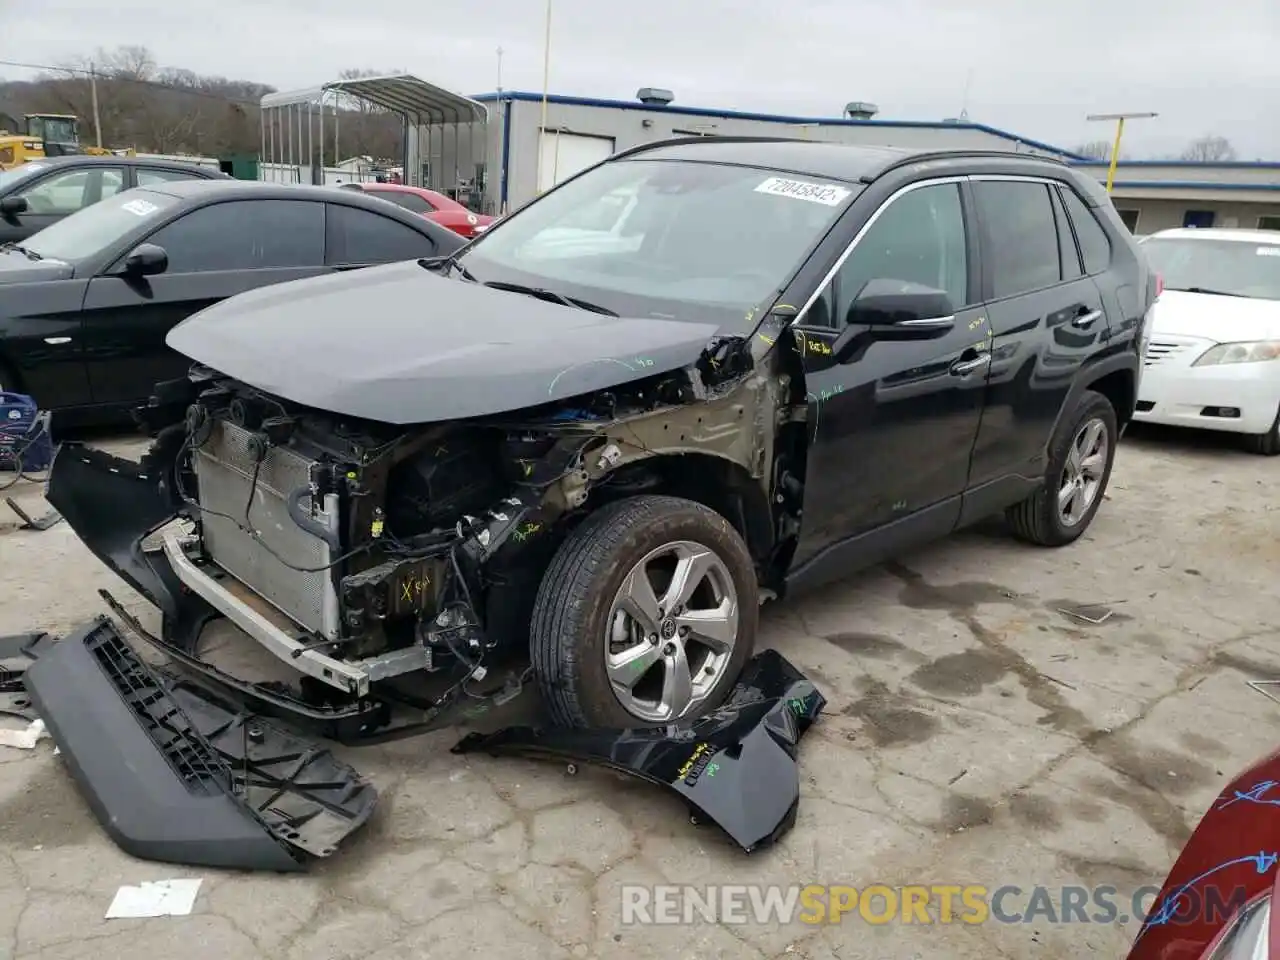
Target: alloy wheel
[[1083, 472], [671, 628]]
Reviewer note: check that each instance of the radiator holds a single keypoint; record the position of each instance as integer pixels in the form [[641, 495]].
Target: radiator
[[224, 471]]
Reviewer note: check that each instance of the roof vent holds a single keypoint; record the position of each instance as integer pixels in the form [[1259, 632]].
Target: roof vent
[[860, 110], [655, 96]]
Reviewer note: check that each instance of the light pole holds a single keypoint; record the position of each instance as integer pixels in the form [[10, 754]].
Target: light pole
[[1119, 119], [546, 83]]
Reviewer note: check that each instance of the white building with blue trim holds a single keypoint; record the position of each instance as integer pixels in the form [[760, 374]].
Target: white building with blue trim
[[497, 151]]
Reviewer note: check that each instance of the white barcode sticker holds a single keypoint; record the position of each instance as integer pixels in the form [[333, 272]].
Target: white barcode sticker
[[139, 208], [1268, 251], [828, 194]]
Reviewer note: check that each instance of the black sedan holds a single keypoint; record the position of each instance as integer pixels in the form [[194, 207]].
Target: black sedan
[[85, 304], [42, 192]]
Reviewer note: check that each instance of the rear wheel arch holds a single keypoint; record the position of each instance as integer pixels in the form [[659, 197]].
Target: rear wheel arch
[[1120, 387]]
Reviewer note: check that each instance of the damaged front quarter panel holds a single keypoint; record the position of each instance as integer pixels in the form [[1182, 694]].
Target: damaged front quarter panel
[[733, 421]]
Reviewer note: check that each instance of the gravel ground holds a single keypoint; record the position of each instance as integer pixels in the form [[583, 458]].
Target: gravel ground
[[975, 735]]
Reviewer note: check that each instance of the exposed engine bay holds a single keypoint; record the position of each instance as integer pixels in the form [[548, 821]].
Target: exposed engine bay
[[360, 552]]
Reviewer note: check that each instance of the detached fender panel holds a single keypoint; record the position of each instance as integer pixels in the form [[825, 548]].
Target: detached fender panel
[[112, 504], [174, 776], [735, 767]]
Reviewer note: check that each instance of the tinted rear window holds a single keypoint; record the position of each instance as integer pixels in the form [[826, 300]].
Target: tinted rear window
[[1022, 236]]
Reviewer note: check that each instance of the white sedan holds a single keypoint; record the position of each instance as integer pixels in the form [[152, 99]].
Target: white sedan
[[1212, 358]]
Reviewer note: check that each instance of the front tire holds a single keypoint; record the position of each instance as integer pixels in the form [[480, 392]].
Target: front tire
[[1266, 444], [646, 615], [1081, 454]]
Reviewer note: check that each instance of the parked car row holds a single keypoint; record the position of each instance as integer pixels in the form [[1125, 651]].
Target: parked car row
[[86, 303]]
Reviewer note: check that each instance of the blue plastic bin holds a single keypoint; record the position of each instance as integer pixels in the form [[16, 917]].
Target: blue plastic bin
[[25, 442]]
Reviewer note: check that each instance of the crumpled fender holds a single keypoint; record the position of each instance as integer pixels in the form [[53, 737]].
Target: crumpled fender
[[735, 767]]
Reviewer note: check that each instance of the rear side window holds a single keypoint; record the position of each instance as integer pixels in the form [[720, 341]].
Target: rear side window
[[361, 237], [245, 235], [149, 175], [1022, 236], [1094, 242], [1068, 253]]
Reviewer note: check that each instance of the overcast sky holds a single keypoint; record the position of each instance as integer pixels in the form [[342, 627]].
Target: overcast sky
[[1207, 66]]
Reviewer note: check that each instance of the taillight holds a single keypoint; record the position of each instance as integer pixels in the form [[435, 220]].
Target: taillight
[[1159, 285]]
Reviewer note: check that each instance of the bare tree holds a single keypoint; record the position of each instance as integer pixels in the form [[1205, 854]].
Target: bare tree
[[1209, 149], [1094, 150]]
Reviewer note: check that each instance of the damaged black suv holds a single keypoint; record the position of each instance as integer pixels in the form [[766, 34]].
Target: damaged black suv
[[700, 374]]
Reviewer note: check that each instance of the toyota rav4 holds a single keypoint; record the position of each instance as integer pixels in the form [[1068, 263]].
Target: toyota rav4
[[697, 375]]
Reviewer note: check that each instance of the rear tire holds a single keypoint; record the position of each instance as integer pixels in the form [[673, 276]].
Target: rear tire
[[594, 656], [1266, 444], [1081, 454]]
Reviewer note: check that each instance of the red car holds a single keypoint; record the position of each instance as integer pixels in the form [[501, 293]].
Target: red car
[[1216, 902], [432, 205]]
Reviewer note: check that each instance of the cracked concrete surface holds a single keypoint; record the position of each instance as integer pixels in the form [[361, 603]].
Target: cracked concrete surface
[[975, 734]]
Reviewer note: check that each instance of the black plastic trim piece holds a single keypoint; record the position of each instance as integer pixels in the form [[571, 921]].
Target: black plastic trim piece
[[175, 776], [735, 767]]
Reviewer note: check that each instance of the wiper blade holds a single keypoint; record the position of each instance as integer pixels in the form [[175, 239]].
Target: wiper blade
[[29, 254], [1209, 290], [551, 297], [450, 262]]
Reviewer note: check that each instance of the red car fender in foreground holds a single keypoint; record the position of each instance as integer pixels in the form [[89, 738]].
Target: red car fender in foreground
[[1216, 902]]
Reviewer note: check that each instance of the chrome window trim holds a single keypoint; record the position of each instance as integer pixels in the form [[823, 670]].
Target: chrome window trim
[[862, 232], [1029, 178], [918, 185]]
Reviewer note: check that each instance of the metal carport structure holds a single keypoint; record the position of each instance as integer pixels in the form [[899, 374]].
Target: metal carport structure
[[290, 123]]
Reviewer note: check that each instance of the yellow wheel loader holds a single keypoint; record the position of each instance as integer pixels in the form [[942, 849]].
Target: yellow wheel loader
[[40, 135]]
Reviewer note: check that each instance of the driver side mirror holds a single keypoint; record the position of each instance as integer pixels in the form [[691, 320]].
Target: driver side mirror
[[146, 260], [12, 206], [893, 310]]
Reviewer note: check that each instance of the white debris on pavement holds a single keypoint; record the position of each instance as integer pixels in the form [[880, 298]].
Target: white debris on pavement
[[24, 739], [155, 898]]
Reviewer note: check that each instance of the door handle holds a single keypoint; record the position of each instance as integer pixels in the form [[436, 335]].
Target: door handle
[[1086, 319], [962, 368]]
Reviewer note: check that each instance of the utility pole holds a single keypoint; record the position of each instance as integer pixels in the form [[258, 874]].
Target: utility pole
[[499, 73], [1119, 119], [546, 83], [93, 96]]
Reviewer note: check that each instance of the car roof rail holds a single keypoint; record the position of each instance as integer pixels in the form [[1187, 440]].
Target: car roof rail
[[963, 154]]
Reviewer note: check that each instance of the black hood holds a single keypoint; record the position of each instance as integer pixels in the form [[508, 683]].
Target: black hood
[[17, 267], [401, 344]]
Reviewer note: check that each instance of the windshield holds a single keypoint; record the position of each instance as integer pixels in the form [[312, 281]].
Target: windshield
[[664, 238], [10, 177], [97, 227], [1242, 268], [60, 130]]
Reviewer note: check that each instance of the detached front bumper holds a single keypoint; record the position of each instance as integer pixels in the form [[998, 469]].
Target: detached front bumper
[[175, 775]]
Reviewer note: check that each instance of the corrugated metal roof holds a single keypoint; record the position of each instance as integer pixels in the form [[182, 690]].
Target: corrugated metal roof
[[727, 114], [402, 93]]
